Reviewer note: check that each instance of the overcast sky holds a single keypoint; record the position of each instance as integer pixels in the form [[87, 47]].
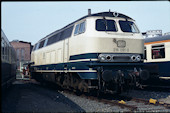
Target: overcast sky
[[31, 21]]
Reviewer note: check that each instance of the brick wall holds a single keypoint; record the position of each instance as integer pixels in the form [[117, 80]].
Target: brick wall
[[23, 51]]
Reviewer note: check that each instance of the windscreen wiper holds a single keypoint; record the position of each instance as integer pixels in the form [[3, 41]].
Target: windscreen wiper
[[105, 23]]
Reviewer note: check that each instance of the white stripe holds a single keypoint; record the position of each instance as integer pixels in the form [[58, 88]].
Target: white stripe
[[66, 71], [83, 60], [49, 70], [164, 77], [82, 71]]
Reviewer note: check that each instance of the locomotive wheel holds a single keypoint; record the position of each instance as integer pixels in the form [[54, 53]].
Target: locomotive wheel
[[119, 81], [74, 82], [66, 82], [83, 86], [70, 82]]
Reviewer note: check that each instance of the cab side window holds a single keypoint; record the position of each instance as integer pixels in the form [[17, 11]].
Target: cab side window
[[80, 28]]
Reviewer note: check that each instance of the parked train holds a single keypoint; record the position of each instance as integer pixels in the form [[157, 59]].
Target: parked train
[[157, 52], [101, 51], [8, 62]]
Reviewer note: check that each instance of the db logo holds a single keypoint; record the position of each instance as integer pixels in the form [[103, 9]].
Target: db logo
[[121, 43]]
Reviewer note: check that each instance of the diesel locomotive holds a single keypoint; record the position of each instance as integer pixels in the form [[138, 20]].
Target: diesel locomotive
[[99, 52]]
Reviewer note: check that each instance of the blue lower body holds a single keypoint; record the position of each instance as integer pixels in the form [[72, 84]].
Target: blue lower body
[[162, 68], [87, 69]]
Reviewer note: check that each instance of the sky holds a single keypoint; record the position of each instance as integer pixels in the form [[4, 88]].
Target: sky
[[31, 21]]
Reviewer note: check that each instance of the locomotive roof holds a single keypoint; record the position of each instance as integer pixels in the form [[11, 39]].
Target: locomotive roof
[[110, 14], [158, 38], [105, 14]]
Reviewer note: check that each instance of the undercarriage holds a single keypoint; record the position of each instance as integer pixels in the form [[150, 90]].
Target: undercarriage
[[113, 81]]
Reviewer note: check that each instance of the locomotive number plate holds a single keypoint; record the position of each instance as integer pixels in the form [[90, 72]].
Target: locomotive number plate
[[121, 49]]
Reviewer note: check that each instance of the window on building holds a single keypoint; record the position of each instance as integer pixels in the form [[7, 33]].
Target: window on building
[[18, 64], [22, 54], [18, 54], [158, 51], [105, 25]]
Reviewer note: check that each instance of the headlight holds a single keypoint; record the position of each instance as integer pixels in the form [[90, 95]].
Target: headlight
[[108, 57], [133, 58], [138, 58], [102, 58]]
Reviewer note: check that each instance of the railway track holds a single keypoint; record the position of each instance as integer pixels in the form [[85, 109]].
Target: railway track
[[153, 102], [130, 103], [113, 103], [133, 104]]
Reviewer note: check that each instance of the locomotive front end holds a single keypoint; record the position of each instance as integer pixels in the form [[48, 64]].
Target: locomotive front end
[[120, 67], [120, 48]]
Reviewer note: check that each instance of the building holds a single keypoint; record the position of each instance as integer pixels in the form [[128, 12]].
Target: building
[[152, 33], [23, 52], [168, 33]]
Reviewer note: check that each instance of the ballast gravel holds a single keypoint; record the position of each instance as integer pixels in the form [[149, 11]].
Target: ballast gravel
[[160, 96], [92, 105]]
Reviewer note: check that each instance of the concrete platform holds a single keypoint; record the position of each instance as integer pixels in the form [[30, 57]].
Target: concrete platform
[[26, 96]]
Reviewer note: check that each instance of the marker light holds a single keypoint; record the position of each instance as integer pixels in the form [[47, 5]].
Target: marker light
[[138, 57]]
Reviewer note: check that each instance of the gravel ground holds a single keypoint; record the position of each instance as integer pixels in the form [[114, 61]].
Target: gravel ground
[[92, 105], [160, 96]]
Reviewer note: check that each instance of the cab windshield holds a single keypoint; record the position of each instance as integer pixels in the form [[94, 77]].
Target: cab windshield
[[105, 25], [110, 25], [128, 26]]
